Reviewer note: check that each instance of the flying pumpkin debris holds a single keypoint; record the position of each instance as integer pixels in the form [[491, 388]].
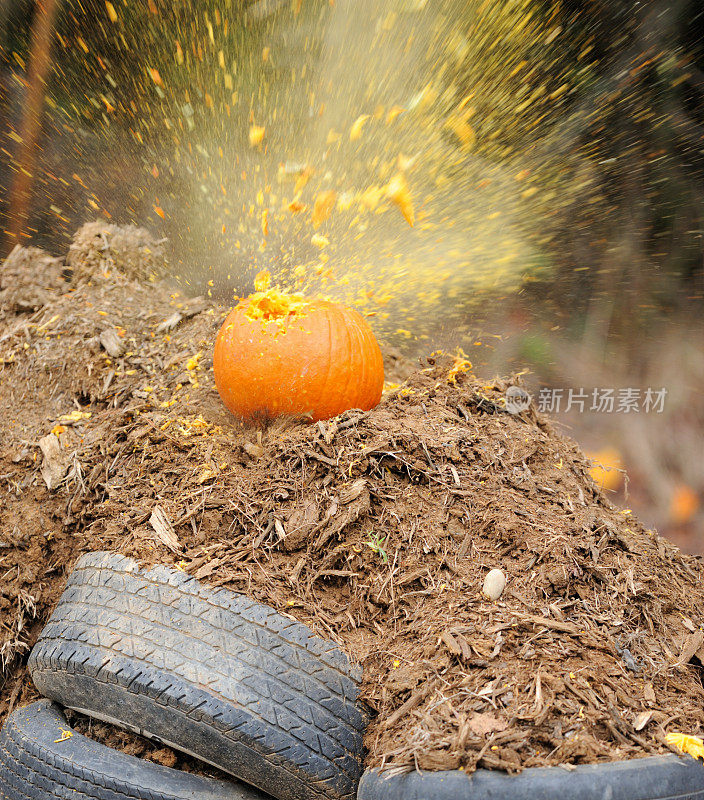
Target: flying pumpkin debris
[[324, 204], [256, 135], [356, 129], [397, 191], [691, 745]]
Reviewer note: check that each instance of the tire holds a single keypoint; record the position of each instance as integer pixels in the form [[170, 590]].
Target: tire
[[208, 672], [652, 778], [38, 762]]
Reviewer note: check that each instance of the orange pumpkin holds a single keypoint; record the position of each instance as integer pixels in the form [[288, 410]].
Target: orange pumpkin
[[280, 353]]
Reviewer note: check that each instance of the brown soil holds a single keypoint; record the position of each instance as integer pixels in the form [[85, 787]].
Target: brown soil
[[376, 529]]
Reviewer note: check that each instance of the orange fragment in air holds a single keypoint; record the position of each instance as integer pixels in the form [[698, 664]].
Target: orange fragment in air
[[462, 130], [393, 113], [302, 179], [112, 14], [324, 204], [155, 76], [262, 280], [256, 134], [356, 129], [397, 190], [684, 504], [606, 471]]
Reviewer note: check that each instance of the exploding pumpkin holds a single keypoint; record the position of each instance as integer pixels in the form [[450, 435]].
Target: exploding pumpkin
[[282, 353]]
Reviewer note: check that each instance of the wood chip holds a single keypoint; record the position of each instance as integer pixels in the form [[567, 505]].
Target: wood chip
[[413, 701], [450, 642], [55, 462], [691, 645], [642, 720], [350, 493], [164, 530], [207, 569], [553, 624], [112, 343], [481, 724], [253, 450], [169, 323]]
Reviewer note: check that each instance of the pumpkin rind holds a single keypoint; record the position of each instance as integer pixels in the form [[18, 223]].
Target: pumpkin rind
[[319, 361]]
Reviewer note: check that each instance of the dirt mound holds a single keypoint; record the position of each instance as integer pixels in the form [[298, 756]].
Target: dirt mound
[[27, 278], [99, 248], [375, 528]]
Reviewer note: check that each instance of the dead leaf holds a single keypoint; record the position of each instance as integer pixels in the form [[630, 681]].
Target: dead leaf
[[164, 530]]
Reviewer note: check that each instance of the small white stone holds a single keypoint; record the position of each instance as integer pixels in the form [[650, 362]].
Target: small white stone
[[494, 584]]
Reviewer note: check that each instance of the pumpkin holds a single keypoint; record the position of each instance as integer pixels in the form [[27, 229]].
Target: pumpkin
[[281, 353]]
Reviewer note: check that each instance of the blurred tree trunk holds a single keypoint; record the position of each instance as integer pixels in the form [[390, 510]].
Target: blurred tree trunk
[[39, 64]]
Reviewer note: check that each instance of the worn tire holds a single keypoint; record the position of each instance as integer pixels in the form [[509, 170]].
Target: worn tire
[[35, 766], [208, 672], [652, 778]]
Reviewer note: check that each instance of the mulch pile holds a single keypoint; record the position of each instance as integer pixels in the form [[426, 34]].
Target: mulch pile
[[377, 529]]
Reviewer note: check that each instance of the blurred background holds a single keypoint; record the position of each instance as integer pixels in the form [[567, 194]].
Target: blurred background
[[522, 180]]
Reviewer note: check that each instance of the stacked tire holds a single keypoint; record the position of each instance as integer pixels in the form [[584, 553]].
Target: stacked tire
[[245, 689], [208, 672]]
